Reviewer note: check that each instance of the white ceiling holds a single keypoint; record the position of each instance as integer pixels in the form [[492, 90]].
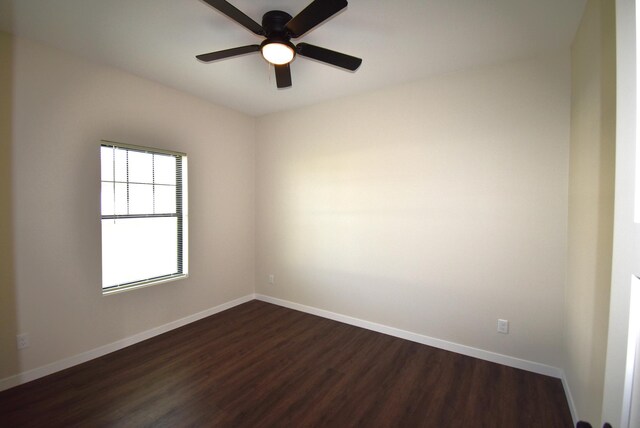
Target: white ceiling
[[399, 41]]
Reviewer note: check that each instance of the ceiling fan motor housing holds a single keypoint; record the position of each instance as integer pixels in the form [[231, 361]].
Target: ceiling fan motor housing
[[273, 23]]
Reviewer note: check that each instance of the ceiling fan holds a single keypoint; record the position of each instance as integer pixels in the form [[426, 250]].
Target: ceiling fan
[[279, 28]]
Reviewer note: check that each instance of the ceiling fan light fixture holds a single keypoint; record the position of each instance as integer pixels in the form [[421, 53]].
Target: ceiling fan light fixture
[[278, 28], [278, 53]]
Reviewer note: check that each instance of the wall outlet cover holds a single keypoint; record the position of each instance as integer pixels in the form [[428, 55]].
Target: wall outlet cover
[[503, 326], [22, 340]]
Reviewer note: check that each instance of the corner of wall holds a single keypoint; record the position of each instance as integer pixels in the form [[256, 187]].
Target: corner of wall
[[9, 360], [591, 192]]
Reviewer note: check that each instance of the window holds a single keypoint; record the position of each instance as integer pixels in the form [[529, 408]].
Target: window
[[144, 216]]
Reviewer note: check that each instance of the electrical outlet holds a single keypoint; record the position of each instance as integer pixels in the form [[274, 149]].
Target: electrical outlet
[[272, 279], [503, 326], [22, 340]]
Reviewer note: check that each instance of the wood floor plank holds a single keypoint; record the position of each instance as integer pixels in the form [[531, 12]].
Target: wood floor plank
[[260, 365]]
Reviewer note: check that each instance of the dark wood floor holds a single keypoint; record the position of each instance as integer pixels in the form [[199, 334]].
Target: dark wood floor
[[260, 365]]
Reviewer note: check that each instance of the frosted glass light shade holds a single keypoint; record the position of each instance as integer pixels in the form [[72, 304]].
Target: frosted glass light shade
[[278, 53]]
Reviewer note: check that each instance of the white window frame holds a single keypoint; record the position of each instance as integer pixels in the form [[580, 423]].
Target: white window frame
[[181, 214]]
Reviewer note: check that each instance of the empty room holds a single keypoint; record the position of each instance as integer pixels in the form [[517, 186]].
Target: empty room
[[319, 213]]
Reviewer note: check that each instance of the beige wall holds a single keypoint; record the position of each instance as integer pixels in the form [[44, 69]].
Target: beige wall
[[8, 355], [63, 107], [591, 185], [436, 207]]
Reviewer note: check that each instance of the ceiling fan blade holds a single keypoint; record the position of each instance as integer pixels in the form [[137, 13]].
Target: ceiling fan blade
[[232, 12], [312, 15], [283, 75], [330, 57], [213, 56]]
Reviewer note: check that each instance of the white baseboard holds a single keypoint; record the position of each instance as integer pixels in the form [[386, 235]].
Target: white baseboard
[[57, 366], [567, 392], [419, 338]]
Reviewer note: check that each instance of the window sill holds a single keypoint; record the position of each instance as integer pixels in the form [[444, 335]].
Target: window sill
[[122, 289]]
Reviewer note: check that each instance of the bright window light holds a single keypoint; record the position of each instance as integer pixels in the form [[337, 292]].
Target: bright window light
[[144, 216]]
